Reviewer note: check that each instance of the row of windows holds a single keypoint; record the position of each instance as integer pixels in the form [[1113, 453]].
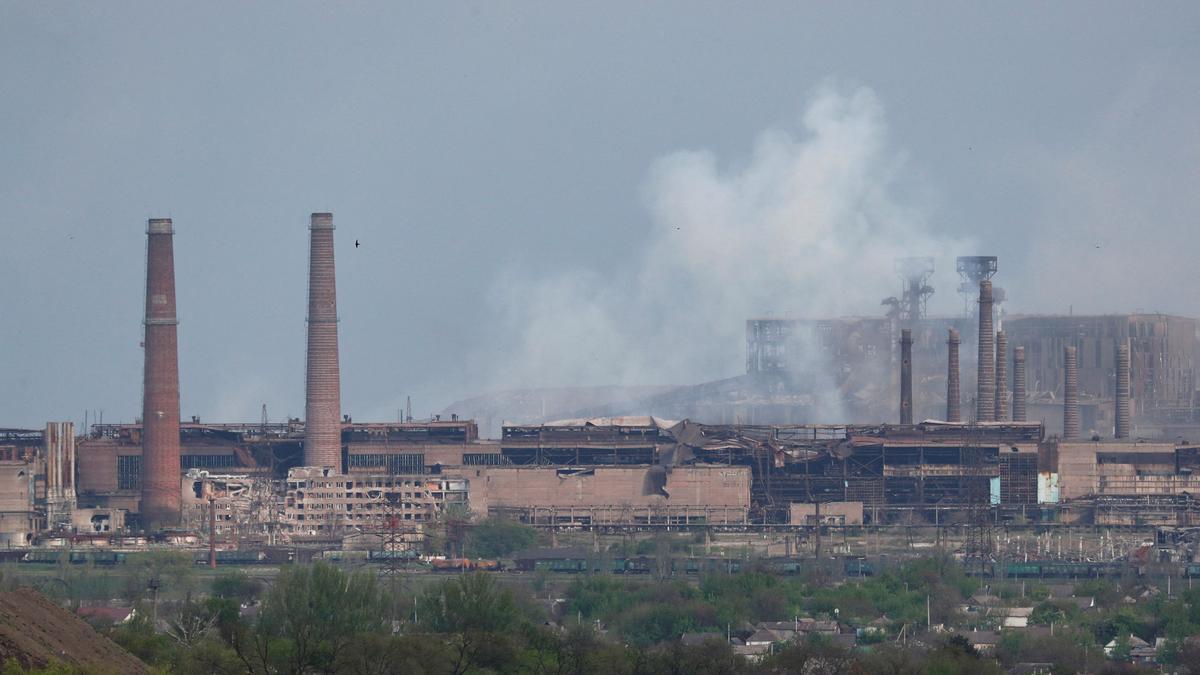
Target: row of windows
[[399, 463], [349, 485], [129, 467]]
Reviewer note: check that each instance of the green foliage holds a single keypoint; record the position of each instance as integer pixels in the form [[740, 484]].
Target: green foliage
[[236, 584], [316, 611], [139, 638], [469, 603], [13, 667], [478, 614], [1106, 593], [1053, 612], [499, 537], [374, 654]]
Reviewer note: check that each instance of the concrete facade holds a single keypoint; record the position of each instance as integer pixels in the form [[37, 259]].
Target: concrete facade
[[318, 501], [618, 495]]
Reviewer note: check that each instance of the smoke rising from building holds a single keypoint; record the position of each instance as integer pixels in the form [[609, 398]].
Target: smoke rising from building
[[808, 224]]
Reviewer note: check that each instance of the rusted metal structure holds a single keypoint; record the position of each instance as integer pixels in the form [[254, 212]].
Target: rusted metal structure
[[1071, 393], [1122, 404], [953, 387], [59, 455], [160, 507], [1018, 402], [322, 402], [906, 389], [985, 400], [1001, 376]]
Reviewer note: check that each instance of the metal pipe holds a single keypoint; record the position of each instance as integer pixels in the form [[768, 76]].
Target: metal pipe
[[322, 401], [161, 498], [953, 393], [906, 400]]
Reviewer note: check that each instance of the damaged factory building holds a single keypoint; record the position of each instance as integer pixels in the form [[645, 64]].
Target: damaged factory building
[[1028, 419]]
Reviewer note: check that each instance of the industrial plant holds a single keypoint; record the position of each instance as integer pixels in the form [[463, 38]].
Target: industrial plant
[[974, 421]]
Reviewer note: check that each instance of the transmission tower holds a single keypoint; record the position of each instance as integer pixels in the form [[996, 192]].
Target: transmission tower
[[980, 530]]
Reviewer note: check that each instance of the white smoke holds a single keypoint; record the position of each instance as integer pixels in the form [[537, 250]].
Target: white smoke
[[808, 224]]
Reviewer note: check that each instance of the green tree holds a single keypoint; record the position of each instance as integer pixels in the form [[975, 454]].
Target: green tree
[[499, 537], [478, 615], [315, 612]]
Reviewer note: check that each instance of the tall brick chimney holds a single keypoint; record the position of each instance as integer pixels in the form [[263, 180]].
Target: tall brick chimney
[[985, 401], [161, 501], [906, 392], [1018, 402], [1122, 426], [953, 394], [322, 401], [1070, 394], [1001, 376]]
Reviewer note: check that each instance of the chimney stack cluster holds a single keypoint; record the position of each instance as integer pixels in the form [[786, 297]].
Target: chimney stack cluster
[[161, 496]]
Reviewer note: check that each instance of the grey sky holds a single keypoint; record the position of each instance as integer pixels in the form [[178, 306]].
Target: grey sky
[[468, 145]]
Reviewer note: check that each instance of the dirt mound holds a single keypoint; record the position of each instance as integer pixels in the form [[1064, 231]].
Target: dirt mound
[[37, 632]]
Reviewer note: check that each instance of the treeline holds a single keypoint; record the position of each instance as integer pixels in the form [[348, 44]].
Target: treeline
[[320, 619]]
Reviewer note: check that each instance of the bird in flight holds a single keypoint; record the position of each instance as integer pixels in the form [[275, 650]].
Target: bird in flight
[[355, 243]]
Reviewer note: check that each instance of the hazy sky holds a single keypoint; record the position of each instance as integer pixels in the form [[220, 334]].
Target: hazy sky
[[508, 164]]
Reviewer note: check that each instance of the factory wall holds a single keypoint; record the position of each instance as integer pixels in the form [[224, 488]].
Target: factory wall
[[604, 494]]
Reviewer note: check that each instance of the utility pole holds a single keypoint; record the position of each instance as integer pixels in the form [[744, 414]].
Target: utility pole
[[212, 533]]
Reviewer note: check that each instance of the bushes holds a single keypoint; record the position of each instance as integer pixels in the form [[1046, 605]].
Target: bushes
[[499, 537]]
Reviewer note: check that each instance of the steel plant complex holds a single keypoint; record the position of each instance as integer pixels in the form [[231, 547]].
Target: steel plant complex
[[1041, 421]]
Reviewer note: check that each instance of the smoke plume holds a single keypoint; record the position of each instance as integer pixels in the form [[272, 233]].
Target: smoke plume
[[808, 223]]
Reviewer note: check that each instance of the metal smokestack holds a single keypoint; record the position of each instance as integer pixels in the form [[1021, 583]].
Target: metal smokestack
[[322, 400], [985, 402], [1001, 376], [1122, 430], [953, 395], [161, 500], [1071, 394], [906, 400], [1018, 403]]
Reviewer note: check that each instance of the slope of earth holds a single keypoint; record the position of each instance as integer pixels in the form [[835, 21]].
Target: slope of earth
[[36, 632]]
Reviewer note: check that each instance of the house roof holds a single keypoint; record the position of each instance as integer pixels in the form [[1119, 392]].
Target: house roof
[[983, 637], [763, 636], [113, 614], [984, 599], [696, 639]]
